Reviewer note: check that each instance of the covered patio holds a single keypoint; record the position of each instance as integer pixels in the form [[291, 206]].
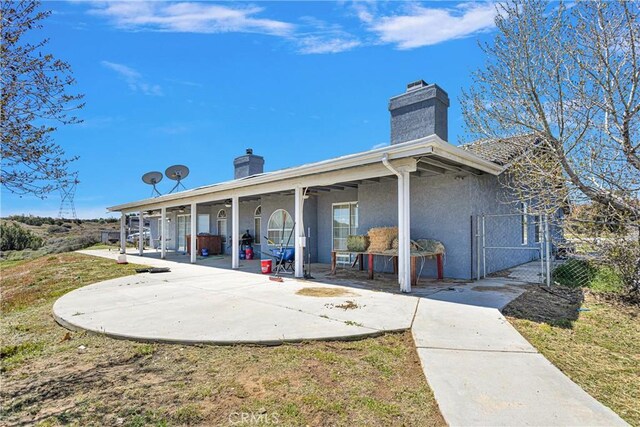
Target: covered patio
[[308, 191]]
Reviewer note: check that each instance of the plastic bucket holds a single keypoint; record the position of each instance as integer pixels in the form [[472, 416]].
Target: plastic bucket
[[242, 255], [266, 266], [248, 253], [204, 252]]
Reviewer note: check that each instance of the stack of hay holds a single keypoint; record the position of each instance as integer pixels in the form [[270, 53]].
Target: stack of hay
[[381, 238], [430, 246], [357, 243]]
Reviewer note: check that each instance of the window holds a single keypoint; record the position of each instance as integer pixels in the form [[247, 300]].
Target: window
[[538, 228], [345, 223], [203, 223], [257, 224], [221, 224], [524, 224], [280, 228]]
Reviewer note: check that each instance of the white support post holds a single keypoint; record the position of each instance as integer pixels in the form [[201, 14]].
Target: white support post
[[123, 233], [299, 232], [141, 234], [194, 233], [484, 248], [235, 233], [478, 248], [404, 231], [163, 233]]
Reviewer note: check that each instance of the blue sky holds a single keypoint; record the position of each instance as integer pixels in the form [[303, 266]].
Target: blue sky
[[196, 83]]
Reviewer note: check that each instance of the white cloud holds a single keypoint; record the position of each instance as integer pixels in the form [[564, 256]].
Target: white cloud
[[422, 26], [189, 17], [323, 44], [134, 79]]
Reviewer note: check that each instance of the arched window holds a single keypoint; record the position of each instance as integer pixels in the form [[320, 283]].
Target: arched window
[[221, 223], [280, 227], [257, 224]]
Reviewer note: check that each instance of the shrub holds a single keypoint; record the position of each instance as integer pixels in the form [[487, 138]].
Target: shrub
[[69, 244], [574, 273], [15, 238], [57, 229]]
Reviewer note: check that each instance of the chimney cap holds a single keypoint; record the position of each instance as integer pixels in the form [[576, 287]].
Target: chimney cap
[[249, 150], [416, 85]]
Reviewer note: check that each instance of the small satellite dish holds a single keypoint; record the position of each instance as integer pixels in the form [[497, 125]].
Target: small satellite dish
[[152, 178], [177, 173]]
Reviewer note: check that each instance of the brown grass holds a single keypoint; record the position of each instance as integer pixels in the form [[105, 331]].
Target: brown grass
[[599, 349], [93, 380], [325, 292]]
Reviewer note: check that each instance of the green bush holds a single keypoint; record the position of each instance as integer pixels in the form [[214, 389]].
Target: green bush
[[582, 273], [15, 238], [574, 273]]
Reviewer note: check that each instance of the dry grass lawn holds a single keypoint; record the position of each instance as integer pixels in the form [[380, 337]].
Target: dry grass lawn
[[597, 346], [53, 377]]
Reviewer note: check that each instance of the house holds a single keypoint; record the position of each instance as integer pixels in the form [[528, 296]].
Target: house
[[420, 183]]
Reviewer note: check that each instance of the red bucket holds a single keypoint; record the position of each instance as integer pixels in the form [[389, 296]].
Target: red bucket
[[266, 266], [248, 253]]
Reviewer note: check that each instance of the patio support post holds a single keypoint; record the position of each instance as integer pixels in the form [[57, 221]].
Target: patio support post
[[123, 233], [141, 233], [299, 232], [194, 232], [163, 233], [404, 223], [235, 233]]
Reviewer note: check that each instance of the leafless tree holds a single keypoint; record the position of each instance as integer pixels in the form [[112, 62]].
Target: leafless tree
[[34, 100], [568, 78]]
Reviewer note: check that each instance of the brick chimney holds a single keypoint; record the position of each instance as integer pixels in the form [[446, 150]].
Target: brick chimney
[[247, 165], [420, 111]]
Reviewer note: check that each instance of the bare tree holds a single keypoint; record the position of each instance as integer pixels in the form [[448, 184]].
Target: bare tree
[[34, 100], [569, 78]]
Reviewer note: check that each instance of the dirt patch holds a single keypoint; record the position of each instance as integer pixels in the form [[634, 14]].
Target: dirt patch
[[557, 305], [326, 292], [347, 305]]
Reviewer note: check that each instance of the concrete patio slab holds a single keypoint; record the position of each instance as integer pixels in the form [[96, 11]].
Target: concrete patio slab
[[197, 304]]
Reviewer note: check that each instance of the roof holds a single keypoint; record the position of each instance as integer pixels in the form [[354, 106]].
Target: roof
[[428, 146], [500, 151]]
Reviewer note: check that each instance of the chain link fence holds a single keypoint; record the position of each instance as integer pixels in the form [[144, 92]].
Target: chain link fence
[[558, 250]]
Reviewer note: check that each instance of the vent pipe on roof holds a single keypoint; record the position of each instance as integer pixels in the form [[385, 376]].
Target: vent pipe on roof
[[247, 165], [420, 111]]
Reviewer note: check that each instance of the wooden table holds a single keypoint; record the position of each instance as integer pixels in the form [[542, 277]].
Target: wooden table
[[414, 257], [211, 242]]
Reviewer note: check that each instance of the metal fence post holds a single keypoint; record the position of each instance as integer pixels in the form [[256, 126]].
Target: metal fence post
[[484, 250], [478, 246], [547, 245]]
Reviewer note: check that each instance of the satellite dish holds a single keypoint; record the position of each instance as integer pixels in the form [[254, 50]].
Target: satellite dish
[[152, 178], [177, 173]]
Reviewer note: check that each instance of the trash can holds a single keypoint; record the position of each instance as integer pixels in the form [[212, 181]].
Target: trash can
[[266, 266], [249, 252], [204, 252]]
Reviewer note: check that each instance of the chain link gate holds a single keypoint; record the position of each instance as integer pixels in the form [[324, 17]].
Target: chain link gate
[[516, 246]]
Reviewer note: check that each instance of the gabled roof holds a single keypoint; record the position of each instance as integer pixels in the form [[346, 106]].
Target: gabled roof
[[501, 151]]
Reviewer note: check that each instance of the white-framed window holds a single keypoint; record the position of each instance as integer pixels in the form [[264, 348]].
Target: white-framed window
[[538, 229], [344, 224], [257, 224], [203, 223], [280, 227], [221, 225], [524, 224]]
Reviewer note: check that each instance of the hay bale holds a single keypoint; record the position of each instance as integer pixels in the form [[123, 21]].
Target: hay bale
[[357, 243], [381, 238], [394, 245], [430, 245]]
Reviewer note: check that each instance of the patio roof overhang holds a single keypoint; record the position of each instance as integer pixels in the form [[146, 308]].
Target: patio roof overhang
[[425, 154]]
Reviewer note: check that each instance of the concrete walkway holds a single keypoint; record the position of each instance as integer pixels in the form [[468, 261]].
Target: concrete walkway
[[483, 372], [197, 304]]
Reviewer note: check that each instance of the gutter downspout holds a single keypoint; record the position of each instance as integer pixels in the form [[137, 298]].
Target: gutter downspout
[[404, 254]]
